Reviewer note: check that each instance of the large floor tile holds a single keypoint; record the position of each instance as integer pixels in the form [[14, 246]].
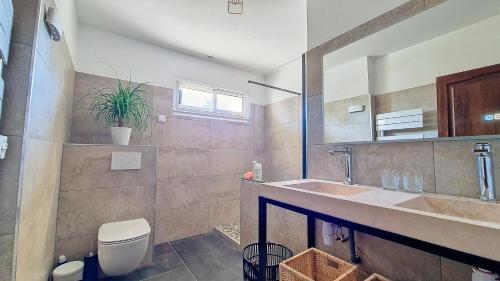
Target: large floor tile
[[179, 274], [165, 260], [210, 258]]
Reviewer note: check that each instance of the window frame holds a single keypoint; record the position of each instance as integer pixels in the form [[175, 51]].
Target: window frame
[[213, 113]]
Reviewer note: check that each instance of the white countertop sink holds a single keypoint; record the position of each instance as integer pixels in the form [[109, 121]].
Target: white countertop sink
[[330, 188], [455, 207]]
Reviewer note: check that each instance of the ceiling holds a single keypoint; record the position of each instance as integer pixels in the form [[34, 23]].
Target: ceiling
[[268, 34]]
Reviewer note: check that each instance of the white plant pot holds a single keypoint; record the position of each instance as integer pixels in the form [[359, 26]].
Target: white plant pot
[[120, 135]]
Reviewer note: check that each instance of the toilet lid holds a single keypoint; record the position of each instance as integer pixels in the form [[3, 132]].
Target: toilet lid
[[123, 230], [68, 269]]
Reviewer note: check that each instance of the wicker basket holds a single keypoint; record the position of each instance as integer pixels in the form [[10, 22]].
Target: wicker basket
[[315, 265], [376, 277]]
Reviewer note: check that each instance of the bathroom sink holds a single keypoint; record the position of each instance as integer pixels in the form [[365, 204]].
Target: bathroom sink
[[330, 188], [462, 208]]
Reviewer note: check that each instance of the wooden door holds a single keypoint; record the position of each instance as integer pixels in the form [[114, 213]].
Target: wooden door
[[469, 102]]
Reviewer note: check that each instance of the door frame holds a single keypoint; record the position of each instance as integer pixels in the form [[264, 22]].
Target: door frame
[[443, 103]]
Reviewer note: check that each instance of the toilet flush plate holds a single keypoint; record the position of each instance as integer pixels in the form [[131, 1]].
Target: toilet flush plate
[[125, 161]]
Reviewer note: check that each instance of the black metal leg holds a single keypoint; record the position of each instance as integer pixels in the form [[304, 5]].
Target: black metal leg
[[352, 243], [311, 231], [262, 238]]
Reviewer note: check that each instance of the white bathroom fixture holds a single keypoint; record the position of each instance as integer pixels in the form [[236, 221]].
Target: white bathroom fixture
[[53, 21], [125, 160], [71, 271], [235, 7], [3, 146], [122, 246], [400, 120]]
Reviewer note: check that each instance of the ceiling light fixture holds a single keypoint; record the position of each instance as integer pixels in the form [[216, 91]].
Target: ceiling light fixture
[[235, 7]]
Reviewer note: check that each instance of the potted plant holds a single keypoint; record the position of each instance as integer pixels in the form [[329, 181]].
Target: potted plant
[[120, 107]]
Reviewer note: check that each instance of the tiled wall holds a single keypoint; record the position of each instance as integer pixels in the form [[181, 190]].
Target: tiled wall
[[200, 161], [282, 141], [283, 227], [46, 129], [36, 137], [16, 76], [91, 195]]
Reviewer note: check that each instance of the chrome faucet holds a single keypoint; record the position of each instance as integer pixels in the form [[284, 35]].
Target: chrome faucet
[[348, 161], [484, 162]]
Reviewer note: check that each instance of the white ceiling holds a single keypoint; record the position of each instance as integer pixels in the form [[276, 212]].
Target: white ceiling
[[328, 19], [267, 35]]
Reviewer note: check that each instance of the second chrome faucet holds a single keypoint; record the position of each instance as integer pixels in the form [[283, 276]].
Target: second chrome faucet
[[347, 151]]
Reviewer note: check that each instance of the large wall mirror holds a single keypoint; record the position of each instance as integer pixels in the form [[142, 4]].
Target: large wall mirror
[[436, 74]]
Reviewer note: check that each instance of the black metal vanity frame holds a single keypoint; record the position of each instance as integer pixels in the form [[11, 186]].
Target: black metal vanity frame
[[466, 258]]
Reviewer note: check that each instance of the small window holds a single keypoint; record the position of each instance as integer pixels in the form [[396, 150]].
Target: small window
[[197, 99]]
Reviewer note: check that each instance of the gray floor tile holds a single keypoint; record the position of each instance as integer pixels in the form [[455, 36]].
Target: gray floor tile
[[179, 274], [165, 259], [210, 258]]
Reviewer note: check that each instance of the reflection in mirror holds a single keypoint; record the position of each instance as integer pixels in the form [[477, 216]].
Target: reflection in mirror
[[383, 87]]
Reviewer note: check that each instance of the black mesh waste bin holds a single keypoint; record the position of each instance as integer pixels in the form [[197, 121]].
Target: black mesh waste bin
[[276, 253]]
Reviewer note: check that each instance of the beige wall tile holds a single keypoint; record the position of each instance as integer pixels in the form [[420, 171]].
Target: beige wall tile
[[6, 255], [315, 119], [230, 161], [283, 136], [416, 158], [230, 135], [162, 100], [174, 224], [246, 198], [16, 77], [290, 224], [23, 28], [395, 261], [38, 209], [282, 112], [46, 119], [89, 167], [83, 212], [9, 183], [283, 164], [224, 212], [257, 126], [180, 193], [455, 271], [225, 188], [183, 163], [182, 132], [455, 168], [324, 166], [76, 247], [249, 231]]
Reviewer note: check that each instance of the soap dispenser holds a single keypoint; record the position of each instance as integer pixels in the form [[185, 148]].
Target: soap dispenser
[[257, 171]]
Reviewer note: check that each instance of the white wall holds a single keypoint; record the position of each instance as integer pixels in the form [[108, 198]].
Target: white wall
[[471, 47], [67, 10], [347, 80], [97, 49], [288, 76], [327, 19]]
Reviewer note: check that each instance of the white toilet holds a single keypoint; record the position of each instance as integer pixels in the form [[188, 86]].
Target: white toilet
[[122, 246]]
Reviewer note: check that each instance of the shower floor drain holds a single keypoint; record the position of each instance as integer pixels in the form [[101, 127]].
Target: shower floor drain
[[229, 232]]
